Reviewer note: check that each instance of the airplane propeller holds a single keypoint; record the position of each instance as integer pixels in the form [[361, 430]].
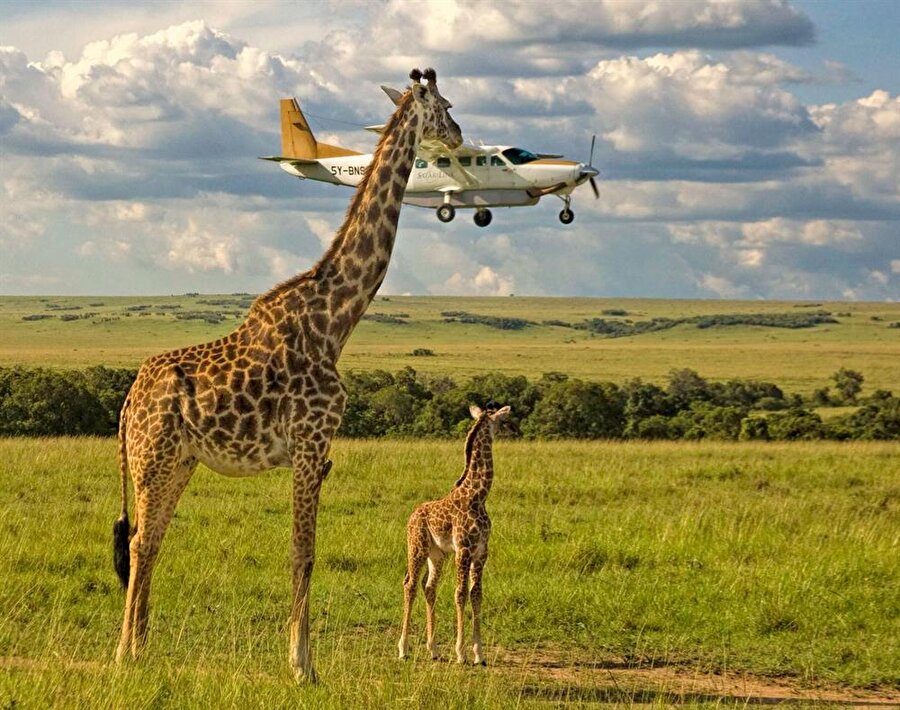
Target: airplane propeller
[[590, 171]]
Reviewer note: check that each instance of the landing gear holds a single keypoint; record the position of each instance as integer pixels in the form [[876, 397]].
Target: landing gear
[[483, 217], [446, 213], [567, 215]]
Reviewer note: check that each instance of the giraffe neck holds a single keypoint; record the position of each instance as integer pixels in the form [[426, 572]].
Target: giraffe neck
[[357, 260], [479, 475]]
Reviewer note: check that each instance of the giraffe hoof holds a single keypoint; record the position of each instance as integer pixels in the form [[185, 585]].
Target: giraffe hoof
[[306, 676]]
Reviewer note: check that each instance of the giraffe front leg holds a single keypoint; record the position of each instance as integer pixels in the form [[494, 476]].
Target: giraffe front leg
[[475, 594], [308, 466], [463, 558]]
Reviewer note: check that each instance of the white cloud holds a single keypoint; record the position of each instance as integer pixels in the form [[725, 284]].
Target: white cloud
[[695, 106], [485, 282], [717, 179]]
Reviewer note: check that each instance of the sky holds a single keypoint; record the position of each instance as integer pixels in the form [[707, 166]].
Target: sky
[[747, 148]]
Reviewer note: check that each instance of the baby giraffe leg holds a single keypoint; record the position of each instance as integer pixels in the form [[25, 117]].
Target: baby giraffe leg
[[435, 564], [416, 554], [475, 593], [462, 591]]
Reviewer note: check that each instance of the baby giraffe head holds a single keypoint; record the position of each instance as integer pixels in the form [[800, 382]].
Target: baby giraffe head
[[492, 417]]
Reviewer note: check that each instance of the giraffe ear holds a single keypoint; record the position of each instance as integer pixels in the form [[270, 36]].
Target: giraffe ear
[[500, 414], [475, 411], [393, 94]]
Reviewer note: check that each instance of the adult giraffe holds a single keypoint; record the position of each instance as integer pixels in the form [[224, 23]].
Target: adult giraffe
[[268, 394]]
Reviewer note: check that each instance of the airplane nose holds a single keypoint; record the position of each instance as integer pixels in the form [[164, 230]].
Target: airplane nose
[[589, 172]]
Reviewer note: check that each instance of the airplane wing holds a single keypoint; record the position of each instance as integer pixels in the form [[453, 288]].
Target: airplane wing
[[466, 176], [431, 150], [283, 159]]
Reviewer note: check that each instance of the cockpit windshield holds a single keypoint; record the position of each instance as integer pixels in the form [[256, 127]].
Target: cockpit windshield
[[518, 156]]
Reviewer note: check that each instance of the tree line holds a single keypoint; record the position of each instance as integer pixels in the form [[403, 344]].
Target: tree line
[[45, 402]]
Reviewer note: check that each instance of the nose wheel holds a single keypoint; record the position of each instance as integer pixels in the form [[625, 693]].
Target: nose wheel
[[483, 217], [446, 213], [567, 216]]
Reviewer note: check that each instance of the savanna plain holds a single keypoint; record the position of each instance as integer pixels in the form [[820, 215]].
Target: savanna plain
[[621, 573]]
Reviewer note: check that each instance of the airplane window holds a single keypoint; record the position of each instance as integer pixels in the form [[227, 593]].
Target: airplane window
[[443, 162], [480, 160], [517, 156], [495, 160], [421, 163], [465, 162]]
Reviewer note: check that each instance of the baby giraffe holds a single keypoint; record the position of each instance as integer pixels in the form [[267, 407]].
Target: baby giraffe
[[457, 522]]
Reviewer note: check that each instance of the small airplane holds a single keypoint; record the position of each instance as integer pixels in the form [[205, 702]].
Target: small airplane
[[475, 177]]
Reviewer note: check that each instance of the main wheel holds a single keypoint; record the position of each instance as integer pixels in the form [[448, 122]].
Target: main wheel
[[483, 217], [566, 216], [446, 213]]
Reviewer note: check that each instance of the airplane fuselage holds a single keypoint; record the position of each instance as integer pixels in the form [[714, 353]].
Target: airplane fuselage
[[491, 180]]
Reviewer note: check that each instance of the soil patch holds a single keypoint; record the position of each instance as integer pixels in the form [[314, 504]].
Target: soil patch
[[557, 677]]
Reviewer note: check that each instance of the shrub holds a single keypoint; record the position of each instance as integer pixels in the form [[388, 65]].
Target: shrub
[[754, 429], [578, 410], [848, 383], [795, 424], [42, 402], [501, 322]]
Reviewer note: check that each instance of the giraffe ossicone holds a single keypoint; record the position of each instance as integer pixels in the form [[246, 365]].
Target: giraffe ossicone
[[458, 523], [269, 393]]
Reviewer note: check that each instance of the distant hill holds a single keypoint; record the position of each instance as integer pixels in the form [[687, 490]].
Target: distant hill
[[797, 344]]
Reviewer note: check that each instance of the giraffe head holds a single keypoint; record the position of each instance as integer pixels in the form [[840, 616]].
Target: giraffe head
[[434, 109], [492, 417]]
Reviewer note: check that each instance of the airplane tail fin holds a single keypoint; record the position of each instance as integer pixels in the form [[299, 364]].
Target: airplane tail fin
[[297, 139]]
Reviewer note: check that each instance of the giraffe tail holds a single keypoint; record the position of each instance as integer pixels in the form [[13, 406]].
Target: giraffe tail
[[122, 528]]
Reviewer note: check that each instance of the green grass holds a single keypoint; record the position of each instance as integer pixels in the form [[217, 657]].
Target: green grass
[[798, 360], [776, 560]]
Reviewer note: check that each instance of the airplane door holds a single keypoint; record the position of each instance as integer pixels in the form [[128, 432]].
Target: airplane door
[[500, 175]]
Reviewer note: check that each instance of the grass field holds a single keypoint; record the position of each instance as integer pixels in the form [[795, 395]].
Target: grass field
[[617, 570], [798, 360]]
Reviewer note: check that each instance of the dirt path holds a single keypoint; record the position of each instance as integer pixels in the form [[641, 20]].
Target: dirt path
[[551, 676], [554, 678]]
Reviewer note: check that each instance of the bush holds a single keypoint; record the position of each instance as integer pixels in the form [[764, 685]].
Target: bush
[[795, 424], [501, 322], [42, 402], [707, 421], [578, 410], [878, 419], [848, 383], [39, 402], [754, 429]]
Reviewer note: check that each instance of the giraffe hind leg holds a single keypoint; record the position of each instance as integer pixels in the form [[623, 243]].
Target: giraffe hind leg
[[157, 490], [417, 553]]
